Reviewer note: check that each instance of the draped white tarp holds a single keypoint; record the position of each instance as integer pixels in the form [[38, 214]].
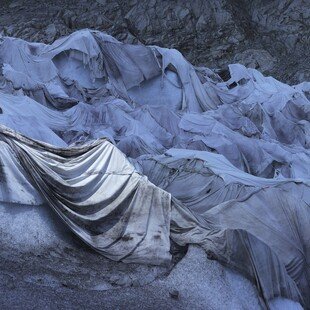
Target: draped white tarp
[[132, 145], [97, 193]]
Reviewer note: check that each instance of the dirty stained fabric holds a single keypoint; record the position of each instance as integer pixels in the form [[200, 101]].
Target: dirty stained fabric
[[132, 146], [241, 218], [122, 215], [97, 193]]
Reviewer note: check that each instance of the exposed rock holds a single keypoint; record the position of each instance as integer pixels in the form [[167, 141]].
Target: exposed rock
[[174, 294], [256, 59], [51, 32], [15, 4]]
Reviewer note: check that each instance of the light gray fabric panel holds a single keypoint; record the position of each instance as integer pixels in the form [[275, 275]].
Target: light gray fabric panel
[[98, 194]]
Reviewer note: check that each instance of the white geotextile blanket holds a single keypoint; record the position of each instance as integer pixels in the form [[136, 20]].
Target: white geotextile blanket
[[137, 146]]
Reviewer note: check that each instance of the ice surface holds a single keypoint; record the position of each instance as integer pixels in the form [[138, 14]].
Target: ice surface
[[27, 228]]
